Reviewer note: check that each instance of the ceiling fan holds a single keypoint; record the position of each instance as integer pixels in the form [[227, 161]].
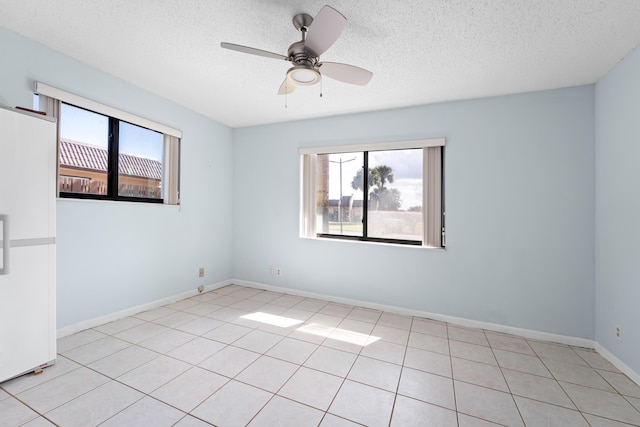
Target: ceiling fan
[[318, 35]]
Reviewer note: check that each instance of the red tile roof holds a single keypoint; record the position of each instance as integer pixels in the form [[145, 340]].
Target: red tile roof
[[78, 155]]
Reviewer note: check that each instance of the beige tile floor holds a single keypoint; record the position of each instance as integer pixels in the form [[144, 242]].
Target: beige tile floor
[[241, 356]]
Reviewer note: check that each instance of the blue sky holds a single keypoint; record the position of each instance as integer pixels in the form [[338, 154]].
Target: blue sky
[[92, 128], [407, 170]]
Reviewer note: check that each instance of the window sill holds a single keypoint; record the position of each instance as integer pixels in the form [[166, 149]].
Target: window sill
[[365, 242], [72, 200]]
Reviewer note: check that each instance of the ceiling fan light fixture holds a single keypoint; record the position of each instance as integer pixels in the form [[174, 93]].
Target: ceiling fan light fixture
[[304, 75]]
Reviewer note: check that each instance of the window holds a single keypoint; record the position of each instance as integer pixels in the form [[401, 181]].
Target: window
[[93, 146], [398, 200], [108, 154]]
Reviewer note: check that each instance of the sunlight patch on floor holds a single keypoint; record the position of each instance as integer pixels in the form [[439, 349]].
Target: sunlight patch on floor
[[338, 334], [272, 319]]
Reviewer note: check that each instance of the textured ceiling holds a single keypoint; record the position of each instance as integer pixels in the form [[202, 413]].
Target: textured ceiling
[[420, 51]]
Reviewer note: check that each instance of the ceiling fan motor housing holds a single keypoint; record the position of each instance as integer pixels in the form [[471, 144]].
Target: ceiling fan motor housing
[[299, 55]]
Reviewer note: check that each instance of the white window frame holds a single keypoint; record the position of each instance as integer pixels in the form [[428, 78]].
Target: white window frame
[[432, 180]]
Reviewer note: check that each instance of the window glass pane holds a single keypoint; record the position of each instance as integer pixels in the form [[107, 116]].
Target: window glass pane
[[83, 151], [339, 178], [140, 162], [395, 194]]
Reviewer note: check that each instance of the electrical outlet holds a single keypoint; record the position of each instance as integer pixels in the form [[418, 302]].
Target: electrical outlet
[[619, 332], [278, 271], [201, 272]]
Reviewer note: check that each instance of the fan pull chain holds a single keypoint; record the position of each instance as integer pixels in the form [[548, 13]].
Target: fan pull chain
[[286, 93], [320, 87]]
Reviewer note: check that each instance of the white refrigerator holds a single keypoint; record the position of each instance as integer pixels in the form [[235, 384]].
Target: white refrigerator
[[28, 242]]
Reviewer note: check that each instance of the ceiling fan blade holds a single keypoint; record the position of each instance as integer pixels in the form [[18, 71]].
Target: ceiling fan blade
[[324, 30], [287, 87], [346, 73], [252, 51]]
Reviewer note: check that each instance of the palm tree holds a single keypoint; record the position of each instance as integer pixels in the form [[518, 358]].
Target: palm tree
[[381, 197], [381, 175], [385, 199], [357, 182]]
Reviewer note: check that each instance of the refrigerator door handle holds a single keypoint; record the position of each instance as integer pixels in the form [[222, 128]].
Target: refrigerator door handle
[[6, 242]]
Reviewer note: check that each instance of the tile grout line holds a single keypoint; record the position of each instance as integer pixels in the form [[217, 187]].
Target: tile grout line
[[344, 379], [404, 357], [513, 399], [453, 382]]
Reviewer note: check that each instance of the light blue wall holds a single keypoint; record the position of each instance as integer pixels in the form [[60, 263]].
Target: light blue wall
[[112, 256], [520, 212], [519, 194], [617, 131]]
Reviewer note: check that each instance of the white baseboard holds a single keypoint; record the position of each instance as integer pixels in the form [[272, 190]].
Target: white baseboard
[[92, 323], [526, 333], [624, 368]]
